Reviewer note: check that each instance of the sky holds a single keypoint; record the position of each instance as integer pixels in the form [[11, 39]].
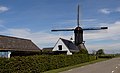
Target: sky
[[34, 19]]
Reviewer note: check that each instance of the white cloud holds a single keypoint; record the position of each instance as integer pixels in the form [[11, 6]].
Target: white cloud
[[108, 10], [88, 20], [109, 48], [75, 21], [42, 39], [105, 11], [3, 9], [118, 9], [111, 34], [2, 24]]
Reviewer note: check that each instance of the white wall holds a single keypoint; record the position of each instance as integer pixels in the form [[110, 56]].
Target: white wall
[[64, 47], [9, 54], [5, 54]]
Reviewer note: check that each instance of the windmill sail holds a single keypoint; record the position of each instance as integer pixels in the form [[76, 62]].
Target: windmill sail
[[78, 16], [63, 30], [95, 28], [78, 31]]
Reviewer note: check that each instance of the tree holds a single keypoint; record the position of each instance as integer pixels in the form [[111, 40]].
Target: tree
[[100, 52], [83, 51]]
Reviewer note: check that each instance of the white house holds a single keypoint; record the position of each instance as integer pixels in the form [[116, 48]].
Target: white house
[[65, 45]]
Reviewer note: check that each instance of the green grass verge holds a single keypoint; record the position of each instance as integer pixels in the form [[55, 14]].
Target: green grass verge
[[75, 66]]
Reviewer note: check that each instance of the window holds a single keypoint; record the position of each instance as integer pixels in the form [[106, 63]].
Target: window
[[60, 47], [4, 54]]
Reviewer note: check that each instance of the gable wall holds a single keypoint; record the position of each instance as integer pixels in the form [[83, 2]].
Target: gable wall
[[64, 48]]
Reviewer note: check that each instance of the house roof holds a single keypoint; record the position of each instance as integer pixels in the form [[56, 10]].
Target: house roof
[[17, 44], [70, 45]]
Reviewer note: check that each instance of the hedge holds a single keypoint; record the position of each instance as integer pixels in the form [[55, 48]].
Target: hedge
[[41, 63], [106, 56]]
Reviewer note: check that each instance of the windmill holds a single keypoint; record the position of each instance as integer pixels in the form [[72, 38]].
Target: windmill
[[78, 31]]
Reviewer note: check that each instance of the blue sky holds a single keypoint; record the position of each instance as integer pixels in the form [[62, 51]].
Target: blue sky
[[34, 19]]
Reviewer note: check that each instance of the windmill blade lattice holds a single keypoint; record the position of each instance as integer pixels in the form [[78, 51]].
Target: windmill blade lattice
[[95, 28], [63, 30]]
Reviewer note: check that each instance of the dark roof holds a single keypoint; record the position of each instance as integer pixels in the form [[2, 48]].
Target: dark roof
[[70, 45], [17, 44]]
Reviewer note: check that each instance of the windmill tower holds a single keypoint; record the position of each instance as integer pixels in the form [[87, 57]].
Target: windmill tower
[[78, 32]]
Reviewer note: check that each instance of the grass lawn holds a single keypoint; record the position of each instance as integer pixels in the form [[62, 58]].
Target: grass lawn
[[75, 66]]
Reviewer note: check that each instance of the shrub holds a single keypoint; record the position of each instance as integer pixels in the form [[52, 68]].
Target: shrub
[[106, 56], [100, 52], [41, 63]]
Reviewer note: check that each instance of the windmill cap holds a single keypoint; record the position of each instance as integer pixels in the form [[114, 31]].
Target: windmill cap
[[78, 28]]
